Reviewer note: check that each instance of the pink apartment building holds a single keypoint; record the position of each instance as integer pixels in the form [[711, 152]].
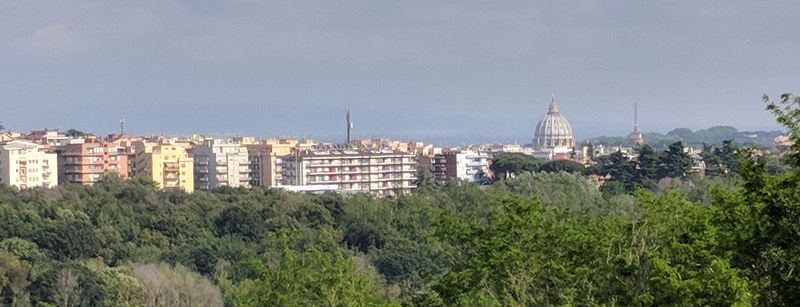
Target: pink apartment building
[[88, 162]]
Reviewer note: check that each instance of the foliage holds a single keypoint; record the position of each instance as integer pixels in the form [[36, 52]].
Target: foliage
[[558, 189], [312, 277], [787, 113], [164, 285], [646, 169], [651, 236], [514, 164], [568, 166], [75, 133], [721, 160]]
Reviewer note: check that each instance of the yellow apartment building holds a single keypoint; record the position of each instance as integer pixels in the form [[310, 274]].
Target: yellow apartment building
[[170, 166], [265, 159]]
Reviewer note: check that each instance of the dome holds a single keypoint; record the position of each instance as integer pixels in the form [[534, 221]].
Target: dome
[[553, 132]]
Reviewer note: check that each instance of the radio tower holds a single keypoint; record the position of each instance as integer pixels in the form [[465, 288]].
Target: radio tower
[[121, 126], [349, 124], [636, 137]]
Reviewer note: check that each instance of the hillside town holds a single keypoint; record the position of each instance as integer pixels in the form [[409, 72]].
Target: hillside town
[[382, 167]]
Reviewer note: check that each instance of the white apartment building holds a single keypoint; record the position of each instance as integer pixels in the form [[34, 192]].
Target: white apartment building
[[379, 172], [221, 163], [25, 165], [469, 166]]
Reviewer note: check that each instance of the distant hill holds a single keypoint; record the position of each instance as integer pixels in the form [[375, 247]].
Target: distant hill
[[713, 135]]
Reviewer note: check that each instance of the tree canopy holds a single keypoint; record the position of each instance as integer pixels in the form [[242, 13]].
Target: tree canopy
[[514, 164], [538, 239]]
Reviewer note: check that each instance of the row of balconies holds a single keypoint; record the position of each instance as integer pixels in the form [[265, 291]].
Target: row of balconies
[[327, 169], [377, 188], [361, 162], [393, 178]]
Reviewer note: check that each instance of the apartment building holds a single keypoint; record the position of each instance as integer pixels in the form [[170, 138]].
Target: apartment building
[[469, 166], [379, 172], [87, 162], [266, 162], [25, 165], [169, 166], [221, 163], [411, 147]]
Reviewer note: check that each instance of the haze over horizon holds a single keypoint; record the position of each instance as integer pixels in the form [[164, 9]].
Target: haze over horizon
[[444, 69]]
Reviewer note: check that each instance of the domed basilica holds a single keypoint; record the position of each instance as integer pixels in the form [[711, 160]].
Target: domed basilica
[[553, 132]]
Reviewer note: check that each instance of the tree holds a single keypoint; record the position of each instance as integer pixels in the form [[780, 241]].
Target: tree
[[618, 166], [69, 238], [560, 189], [674, 162], [123, 288], [14, 280], [647, 167], [787, 113], [70, 284], [758, 222], [519, 256], [568, 166], [312, 278], [424, 172], [670, 258], [67, 291], [721, 161], [238, 221], [165, 285], [75, 133], [514, 164]]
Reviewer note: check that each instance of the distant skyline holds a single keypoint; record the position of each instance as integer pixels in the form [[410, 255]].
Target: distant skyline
[[443, 69]]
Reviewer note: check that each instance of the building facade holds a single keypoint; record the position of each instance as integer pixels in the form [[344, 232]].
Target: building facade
[[469, 166], [169, 166], [26, 165], [379, 172], [265, 159], [221, 163], [87, 162]]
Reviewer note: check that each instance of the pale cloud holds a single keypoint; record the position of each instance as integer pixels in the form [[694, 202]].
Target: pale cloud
[[49, 41]]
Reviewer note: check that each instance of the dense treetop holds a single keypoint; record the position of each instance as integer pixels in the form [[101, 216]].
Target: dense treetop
[[655, 235]]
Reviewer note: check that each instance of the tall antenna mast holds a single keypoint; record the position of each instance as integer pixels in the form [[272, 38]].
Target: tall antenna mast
[[121, 126], [349, 124]]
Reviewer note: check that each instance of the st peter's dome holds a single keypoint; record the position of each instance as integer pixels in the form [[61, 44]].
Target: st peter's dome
[[553, 132]]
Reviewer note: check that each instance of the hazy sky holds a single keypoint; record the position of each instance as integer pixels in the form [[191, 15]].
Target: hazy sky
[[483, 69]]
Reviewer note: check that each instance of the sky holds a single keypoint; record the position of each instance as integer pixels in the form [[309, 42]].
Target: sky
[[482, 70]]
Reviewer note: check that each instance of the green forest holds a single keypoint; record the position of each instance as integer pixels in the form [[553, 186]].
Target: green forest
[[653, 235]]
